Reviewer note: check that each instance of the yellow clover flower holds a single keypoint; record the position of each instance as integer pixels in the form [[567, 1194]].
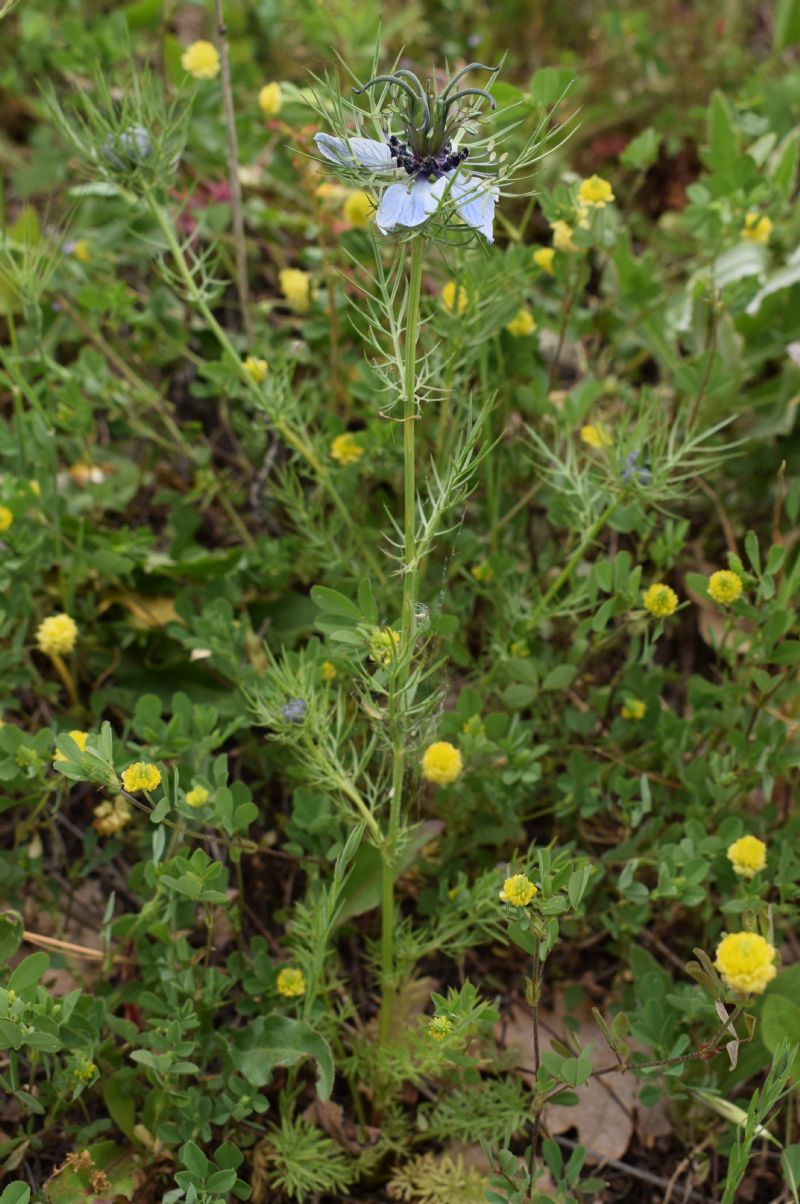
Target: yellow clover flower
[[383, 645], [454, 297], [748, 856], [6, 518], [345, 449], [522, 324], [660, 600], [634, 708], [201, 60], [142, 775], [724, 586], [562, 236], [256, 369], [56, 635], [756, 229], [439, 1027], [596, 192], [197, 796], [746, 962], [441, 763], [595, 435], [79, 738], [329, 671], [482, 571], [270, 99], [291, 982], [359, 209], [543, 258], [296, 288], [81, 250], [518, 890], [110, 818]]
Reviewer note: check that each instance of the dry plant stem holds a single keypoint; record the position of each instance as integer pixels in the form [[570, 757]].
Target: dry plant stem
[[399, 684], [569, 301], [242, 284], [712, 351], [67, 678], [536, 984]]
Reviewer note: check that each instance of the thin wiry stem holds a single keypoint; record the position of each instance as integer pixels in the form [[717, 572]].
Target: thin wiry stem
[[242, 284]]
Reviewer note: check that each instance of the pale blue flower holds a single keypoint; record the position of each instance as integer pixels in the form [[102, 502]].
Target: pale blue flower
[[411, 202]]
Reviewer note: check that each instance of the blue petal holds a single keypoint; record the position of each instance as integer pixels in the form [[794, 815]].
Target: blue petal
[[365, 151], [402, 205], [475, 202]]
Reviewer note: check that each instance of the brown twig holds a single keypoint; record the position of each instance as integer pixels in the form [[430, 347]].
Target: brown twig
[[242, 284]]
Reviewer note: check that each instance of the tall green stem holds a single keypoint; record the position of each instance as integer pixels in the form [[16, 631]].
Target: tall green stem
[[569, 567], [293, 438], [398, 701]]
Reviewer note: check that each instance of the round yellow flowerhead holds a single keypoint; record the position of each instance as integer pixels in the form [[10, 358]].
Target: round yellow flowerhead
[[441, 763], [359, 209], [110, 818], [746, 962], [291, 982], [81, 250], [6, 518], [756, 229], [296, 288], [329, 671], [595, 191], [522, 324], [201, 60], [748, 856], [270, 99], [562, 236], [56, 635], [141, 776], [79, 738], [197, 796], [383, 645], [454, 297], [482, 571], [634, 708], [660, 600], [518, 890], [345, 450], [256, 369], [439, 1027], [724, 586], [543, 258], [595, 435]]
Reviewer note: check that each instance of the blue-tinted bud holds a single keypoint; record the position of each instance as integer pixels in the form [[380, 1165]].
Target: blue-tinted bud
[[129, 148], [295, 710], [633, 468]]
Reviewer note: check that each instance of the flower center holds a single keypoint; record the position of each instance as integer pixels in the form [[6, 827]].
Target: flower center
[[432, 166]]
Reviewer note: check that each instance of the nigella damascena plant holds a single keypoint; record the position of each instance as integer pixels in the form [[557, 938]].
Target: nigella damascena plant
[[419, 166], [127, 149]]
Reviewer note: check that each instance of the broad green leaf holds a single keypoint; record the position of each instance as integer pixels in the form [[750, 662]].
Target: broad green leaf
[[275, 1040], [331, 602], [28, 972], [11, 928], [723, 144]]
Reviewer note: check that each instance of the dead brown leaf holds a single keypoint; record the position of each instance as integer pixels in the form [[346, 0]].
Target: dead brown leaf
[[330, 1117], [603, 1116]]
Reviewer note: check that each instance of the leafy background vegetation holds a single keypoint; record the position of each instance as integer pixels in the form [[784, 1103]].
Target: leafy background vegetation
[[617, 415]]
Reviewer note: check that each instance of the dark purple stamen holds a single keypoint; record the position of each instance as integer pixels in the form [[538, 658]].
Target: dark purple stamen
[[432, 167]]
